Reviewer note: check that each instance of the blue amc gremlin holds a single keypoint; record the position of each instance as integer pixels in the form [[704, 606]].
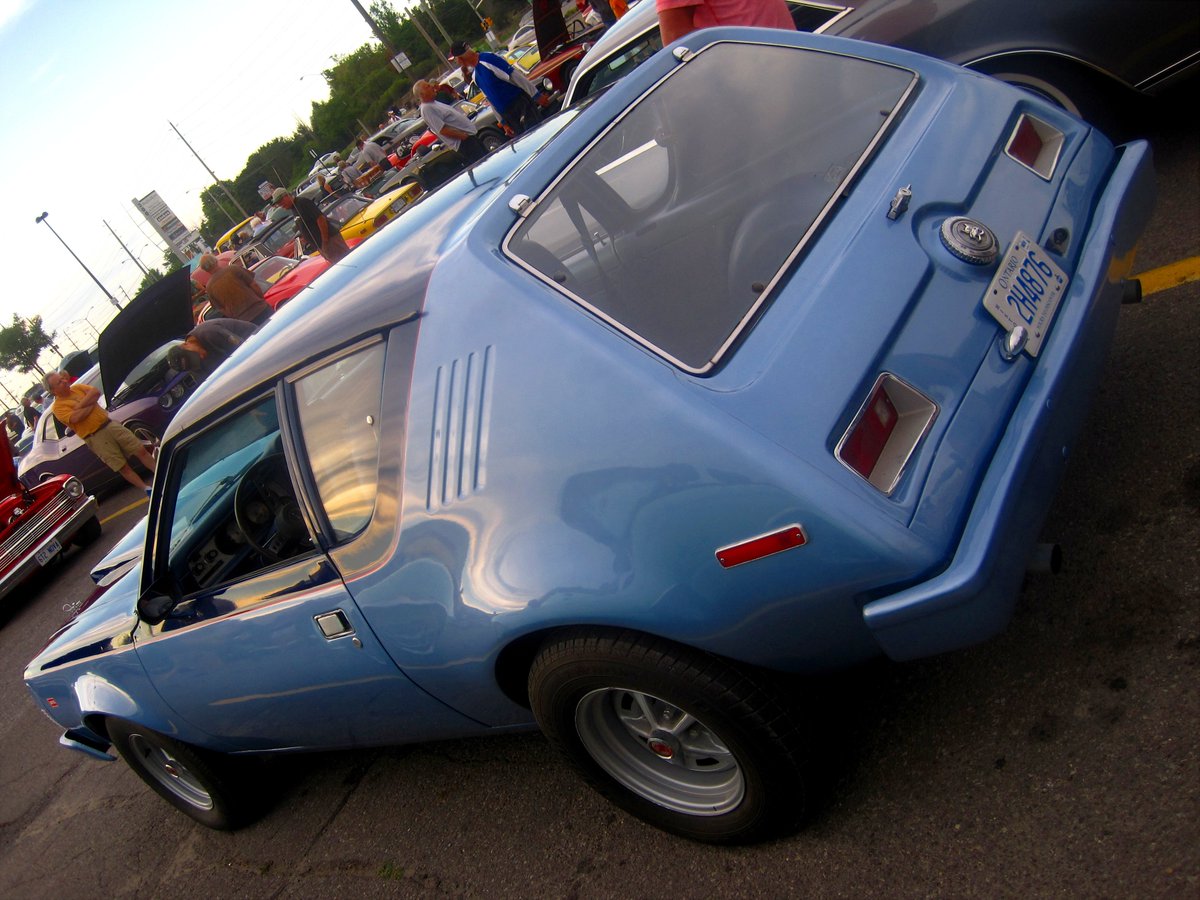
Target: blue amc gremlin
[[767, 360]]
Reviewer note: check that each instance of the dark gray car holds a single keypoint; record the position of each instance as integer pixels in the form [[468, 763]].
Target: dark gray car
[[1081, 54]]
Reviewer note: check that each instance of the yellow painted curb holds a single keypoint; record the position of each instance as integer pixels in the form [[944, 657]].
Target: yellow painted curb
[[120, 512], [1169, 276]]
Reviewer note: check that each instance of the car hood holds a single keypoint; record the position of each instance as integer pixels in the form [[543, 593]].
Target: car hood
[[161, 313], [104, 622]]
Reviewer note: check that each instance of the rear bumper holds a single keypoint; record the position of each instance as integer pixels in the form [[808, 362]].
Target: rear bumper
[[62, 532], [972, 599]]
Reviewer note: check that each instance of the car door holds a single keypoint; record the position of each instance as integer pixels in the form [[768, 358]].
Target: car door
[[62, 452], [266, 649]]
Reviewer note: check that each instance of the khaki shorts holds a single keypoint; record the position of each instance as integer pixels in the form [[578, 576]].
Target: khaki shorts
[[114, 444]]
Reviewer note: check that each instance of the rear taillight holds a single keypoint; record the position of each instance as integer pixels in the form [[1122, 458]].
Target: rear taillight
[[886, 431], [1035, 145]]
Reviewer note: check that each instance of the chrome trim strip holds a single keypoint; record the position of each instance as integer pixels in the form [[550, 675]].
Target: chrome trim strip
[[32, 543]]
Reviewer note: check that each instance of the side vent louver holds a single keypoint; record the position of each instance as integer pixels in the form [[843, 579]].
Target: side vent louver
[[461, 412]]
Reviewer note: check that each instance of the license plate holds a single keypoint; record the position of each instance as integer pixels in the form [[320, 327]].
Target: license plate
[[1025, 290], [48, 552]]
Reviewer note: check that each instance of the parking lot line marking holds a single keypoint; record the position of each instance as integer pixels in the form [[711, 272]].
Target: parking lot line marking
[[120, 512], [1169, 276]]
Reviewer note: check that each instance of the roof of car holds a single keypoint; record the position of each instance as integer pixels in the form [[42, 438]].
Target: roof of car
[[373, 294]]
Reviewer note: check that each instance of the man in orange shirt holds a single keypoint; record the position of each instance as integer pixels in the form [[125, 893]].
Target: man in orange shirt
[[78, 407]]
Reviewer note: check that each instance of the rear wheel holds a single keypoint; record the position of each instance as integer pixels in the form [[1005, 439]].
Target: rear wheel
[[683, 740], [1081, 92], [147, 435], [199, 784], [491, 140]]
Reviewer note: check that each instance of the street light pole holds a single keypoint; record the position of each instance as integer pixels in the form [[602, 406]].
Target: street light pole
[[44, 218]]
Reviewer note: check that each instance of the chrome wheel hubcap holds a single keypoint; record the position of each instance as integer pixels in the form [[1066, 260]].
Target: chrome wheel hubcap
[[659, 752]]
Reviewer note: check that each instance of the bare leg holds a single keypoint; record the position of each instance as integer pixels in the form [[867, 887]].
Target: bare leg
[[146, 460], [132, 477]]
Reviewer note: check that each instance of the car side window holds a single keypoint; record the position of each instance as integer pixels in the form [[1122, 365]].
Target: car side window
[[231, 507], [338, 409]]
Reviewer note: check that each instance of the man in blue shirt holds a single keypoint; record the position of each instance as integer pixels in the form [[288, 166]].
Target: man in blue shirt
[[505, 86]]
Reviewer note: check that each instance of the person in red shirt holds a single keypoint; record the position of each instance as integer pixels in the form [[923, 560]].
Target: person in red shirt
[[679, 17]]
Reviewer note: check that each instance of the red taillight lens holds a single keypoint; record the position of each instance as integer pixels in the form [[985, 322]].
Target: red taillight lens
[[886, 431], [864, 444], [382, 219], [1035, 145], [758, 547]]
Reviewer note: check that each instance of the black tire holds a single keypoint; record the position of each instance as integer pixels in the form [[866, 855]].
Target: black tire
[[491, 140], [89, 533], [199, 784], [1096, 99], [684, 741]]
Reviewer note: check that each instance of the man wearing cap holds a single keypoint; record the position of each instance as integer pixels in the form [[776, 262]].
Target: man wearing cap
[[453, 128], [319, 230], [505, 86]]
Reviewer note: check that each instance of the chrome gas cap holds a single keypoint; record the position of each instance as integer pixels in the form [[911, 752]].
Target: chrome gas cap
[[969, 240]]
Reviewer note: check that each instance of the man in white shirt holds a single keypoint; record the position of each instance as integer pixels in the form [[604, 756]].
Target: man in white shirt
[[451, 126]]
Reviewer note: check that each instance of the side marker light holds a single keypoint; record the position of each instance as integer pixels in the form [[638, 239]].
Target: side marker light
[[763, 545]]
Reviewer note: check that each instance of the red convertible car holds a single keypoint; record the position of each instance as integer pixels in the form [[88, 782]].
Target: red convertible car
[[36, 523]]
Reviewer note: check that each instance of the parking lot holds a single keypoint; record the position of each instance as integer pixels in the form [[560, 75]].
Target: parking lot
[[1060, 758]]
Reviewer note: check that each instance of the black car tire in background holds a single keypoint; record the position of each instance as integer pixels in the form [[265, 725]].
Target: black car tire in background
[[88, 534], [491, 139], [685, 741], [199, 784], [1096, 99]]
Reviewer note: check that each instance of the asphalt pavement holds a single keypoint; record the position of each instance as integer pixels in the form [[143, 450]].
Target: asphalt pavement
[[1062, 758]]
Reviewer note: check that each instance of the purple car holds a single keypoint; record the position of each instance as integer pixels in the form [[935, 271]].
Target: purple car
[[133, 356]]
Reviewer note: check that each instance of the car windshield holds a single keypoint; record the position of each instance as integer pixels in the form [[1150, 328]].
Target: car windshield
[[676, 232], [271, 269], [343, 208]]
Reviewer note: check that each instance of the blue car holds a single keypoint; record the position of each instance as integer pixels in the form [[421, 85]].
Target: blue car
[[621, 423]]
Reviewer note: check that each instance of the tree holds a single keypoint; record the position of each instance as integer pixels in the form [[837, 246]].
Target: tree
[[22, 342]]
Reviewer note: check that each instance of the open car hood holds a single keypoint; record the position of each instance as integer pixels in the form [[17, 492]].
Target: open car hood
[[160, 313], [8, 470]]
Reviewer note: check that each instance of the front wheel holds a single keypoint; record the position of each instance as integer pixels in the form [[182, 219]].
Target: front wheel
[[194, 782], [683, 740]]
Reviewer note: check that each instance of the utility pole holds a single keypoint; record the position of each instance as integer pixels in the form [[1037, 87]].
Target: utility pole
[[374, 28], [44, 219], [232, 199], [136, 261], [428, 7]]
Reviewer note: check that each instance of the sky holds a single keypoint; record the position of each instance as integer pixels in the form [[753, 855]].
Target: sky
[[86, 93]]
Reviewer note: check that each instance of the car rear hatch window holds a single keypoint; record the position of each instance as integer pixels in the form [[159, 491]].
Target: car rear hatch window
[[679, 219]]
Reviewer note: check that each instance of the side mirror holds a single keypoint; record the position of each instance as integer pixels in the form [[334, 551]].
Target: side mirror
[[156, 603]]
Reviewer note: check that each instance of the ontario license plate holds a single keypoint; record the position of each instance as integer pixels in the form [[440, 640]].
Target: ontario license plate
[[1025, 290], [48, 552]]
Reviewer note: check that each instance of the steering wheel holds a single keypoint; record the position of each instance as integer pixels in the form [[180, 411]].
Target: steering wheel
[[266, 511]]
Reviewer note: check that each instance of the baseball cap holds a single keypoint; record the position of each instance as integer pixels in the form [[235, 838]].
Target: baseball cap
[[278, 194], [458, 48]]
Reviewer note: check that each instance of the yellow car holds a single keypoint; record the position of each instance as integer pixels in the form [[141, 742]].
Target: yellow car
[[225, 241], [379, 212]]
